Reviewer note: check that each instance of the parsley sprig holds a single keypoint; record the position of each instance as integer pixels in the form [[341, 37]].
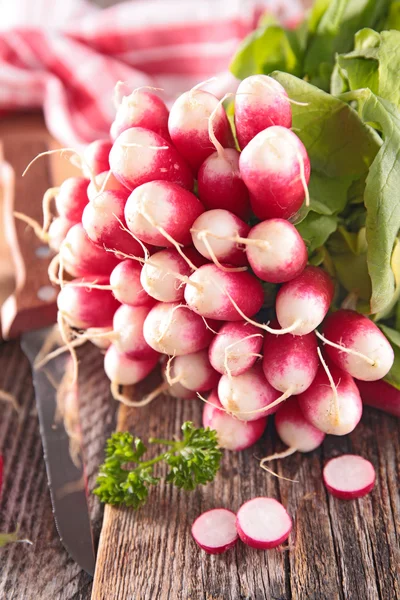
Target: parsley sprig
[[125, 479]]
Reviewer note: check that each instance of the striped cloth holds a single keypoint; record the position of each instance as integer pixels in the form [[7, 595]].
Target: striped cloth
[[66, 57]]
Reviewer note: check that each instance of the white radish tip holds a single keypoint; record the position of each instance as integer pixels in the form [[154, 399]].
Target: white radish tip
[[263, 523], [349, 476], [215, 530]]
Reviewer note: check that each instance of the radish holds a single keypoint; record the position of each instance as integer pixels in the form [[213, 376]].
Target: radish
[[80, 256], [220, 184], [356, 345], [123, 370], [380, 395], [215, 530], [141, 109], [58, 229], [304, 301], [232, 433], [103, 220], [295, 431], [127, 334], [349, 476], [260, 102], [214, 235], [276, 251], [276, 169], [139, 155], [263, 523], [98, 336], [247, 396], [161, 213], [290, 362], [332, 403], [72, 198], [82, 307], [105, 182], [126, 286], [173, 329], [188, 125], [213, 293], [194, 371], [96, 158], [236, 347], [162, 274]]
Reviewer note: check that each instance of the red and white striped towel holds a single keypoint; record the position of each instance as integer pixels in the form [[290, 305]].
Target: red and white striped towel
[[66, 57]]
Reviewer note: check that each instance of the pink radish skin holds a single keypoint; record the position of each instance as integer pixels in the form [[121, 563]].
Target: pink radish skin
[[242, 342], [101, 221], [270, 168], [380, 395], [58, 229], [281, 254], [349, 476], [126, 286], [290, 362], [159, 275], [96, 158], [260, 102], [305, 299], [81, 257], [208, 297], [224, 224], [356, 332], [146, 160], [173, 329], [232, 434], [188, 126], [83, 308], [317, 403], [124, 370], [167, 205], [263, 523], [111, 184], [220, 184], [72, 198], [215, 530], [294, 430], [195, 372], [141, 109], [128, 332], [246, 393]]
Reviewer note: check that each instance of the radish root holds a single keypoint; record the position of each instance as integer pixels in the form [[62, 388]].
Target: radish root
[[202, 236], [37, 228], [334, 389], [121, 397], [211, 134], [371, 362]]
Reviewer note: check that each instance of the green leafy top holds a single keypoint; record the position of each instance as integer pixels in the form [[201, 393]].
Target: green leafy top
[[125, 479]]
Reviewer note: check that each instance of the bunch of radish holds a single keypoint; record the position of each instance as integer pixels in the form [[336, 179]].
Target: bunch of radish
[[168, 247]]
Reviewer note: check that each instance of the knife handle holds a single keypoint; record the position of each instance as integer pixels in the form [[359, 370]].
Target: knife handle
[[33, 303]]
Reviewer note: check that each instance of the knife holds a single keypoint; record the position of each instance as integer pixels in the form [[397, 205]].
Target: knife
[[28, 313]]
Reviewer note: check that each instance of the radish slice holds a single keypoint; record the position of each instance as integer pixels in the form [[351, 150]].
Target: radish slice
[[263, 523], [215, 530], [349, 476]]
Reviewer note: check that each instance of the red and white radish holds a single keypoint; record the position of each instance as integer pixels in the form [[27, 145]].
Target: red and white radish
[[276, 251], [141, 109], [84, 307], [72, 198], [194, 371], [247, 396], [357, 345], [213, 293], [232, 433], [214, 235], [123, 370], [380, 395], [161, 213], [96, 158], [215, 530], [260, 102], [173, 329], [139, 155], [263, 523], [58, 229], [236, 348], [80, 256], [188, 125], [304, 300], [127, 335], [276, 169], [294, 430], [126, 286], [349, 476], [105, 182]]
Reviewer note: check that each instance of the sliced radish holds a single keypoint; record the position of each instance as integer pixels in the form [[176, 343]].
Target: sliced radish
[[349, 476], [263, 523], [215, 530]]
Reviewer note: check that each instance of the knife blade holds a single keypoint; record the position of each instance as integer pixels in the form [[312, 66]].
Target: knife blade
[[27, 313]]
